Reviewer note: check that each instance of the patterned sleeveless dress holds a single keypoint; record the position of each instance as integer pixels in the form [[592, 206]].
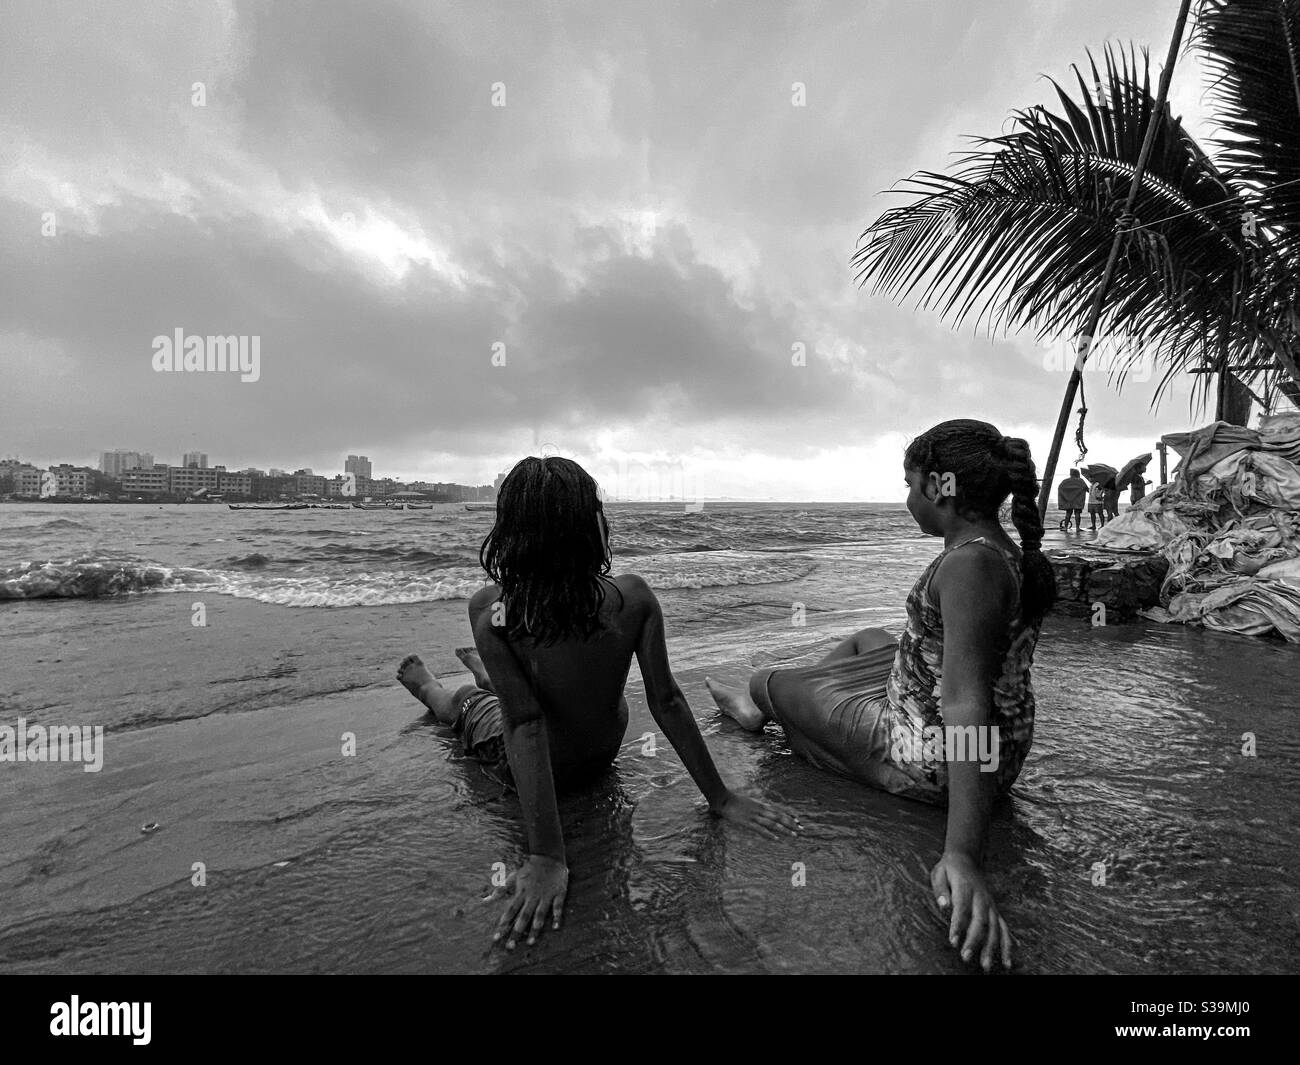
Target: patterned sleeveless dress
[[868, 716]]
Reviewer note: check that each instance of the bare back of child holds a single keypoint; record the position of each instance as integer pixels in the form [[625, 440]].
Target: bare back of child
[[578, 685], [555, 636]]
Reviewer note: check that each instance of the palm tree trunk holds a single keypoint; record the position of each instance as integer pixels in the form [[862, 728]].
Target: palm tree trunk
[[1099, 301]]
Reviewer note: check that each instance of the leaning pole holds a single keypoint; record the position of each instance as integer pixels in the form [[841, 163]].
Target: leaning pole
[[1099, 298]]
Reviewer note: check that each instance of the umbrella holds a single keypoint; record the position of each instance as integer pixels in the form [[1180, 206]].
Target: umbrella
[[1099, 472], [1133, 469]]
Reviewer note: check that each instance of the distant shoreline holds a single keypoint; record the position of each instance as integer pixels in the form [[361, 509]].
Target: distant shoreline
[[65, 502]]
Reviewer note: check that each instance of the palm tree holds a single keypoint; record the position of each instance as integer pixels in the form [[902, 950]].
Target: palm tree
[[1017, 232]]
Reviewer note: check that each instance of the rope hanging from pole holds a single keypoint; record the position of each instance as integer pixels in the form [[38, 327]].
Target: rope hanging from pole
[[1078, 433], [1125, 223]]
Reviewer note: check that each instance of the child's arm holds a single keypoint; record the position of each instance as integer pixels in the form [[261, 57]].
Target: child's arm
[[973, 619], [672, 713], [541, 883]]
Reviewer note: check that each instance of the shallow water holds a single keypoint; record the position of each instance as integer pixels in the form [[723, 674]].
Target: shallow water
[[229, 735]]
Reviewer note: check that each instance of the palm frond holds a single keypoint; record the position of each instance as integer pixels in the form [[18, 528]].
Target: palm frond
[[1251, 52], [1019, 232]]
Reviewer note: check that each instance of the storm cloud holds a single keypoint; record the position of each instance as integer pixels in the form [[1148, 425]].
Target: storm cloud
[[644, 252]]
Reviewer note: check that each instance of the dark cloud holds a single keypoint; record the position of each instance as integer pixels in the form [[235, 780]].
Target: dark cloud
[[648, 227]]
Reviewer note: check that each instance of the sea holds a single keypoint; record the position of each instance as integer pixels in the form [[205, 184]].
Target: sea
[[358, 558], [229, 655]]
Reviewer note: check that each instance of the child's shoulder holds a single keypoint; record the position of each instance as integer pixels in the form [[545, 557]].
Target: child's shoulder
[[489, 593], [481, 601], [975, 565], [634, 588]]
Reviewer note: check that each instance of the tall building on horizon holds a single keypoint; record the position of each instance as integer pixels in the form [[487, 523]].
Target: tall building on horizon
[[118, 461], [197, 460], [358, 464]]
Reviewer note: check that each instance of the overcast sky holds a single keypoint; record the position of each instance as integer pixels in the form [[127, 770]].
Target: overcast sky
[[641, 233]]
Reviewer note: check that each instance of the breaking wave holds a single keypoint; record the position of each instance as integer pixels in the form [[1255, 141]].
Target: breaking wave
[[247, 577]]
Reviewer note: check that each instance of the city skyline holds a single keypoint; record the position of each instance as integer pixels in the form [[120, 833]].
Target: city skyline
[[641, 483], [101, 465], [118, 479]]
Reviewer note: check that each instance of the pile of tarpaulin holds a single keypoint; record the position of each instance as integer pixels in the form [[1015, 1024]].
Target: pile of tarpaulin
[[1229, 525]]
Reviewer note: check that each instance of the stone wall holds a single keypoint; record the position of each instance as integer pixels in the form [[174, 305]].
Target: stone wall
[[1125, 583]]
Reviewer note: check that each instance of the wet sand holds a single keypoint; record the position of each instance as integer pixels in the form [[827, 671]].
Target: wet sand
[[320, 862]]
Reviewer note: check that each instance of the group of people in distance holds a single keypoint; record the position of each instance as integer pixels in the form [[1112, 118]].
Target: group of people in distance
[[1102, 497], [555, 635]]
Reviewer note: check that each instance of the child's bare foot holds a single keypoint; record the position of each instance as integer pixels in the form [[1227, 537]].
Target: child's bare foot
[[417, 680], [469, 655], [737, 705], [415, 675]]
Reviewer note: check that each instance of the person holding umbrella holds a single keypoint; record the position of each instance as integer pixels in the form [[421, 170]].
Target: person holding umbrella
[[1102, 478], [1070, 497], [1110, 493], [1132, 475]]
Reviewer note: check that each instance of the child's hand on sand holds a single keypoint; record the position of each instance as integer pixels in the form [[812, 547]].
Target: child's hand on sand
[[975, 926], [539, 888], [772, 821]]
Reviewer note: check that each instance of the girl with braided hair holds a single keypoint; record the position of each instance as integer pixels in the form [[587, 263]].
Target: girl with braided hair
[[944, 714]]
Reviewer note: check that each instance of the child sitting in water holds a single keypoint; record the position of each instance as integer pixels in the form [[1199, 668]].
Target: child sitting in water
[[946, 713], [555, 638]]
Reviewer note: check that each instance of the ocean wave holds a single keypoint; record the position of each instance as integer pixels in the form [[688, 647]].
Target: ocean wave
[[664, 572], [284, 530], [718, 569], [53, 525], [246, 577], [408, 556], [94, 578], [364, 589], [331, 557], [714, 530], [659, 548], [254, 561]]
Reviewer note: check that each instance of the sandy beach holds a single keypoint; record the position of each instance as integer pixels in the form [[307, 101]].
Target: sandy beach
[[315, 861]]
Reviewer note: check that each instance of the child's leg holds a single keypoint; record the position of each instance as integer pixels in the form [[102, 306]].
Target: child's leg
[[443, 703], [739, 705], [469, 655], [860, 643]]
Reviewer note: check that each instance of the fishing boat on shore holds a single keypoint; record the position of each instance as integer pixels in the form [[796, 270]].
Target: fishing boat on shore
[[480, 506], [268, 506]]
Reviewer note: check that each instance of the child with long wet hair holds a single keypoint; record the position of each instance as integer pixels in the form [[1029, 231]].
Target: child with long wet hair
[[554, 640], [553, 570], [945, 713]]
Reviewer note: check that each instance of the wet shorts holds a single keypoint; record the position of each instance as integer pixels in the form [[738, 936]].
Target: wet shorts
[[482, 731]]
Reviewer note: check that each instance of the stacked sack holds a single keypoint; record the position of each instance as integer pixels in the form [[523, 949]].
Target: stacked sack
[[1229, 526]]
